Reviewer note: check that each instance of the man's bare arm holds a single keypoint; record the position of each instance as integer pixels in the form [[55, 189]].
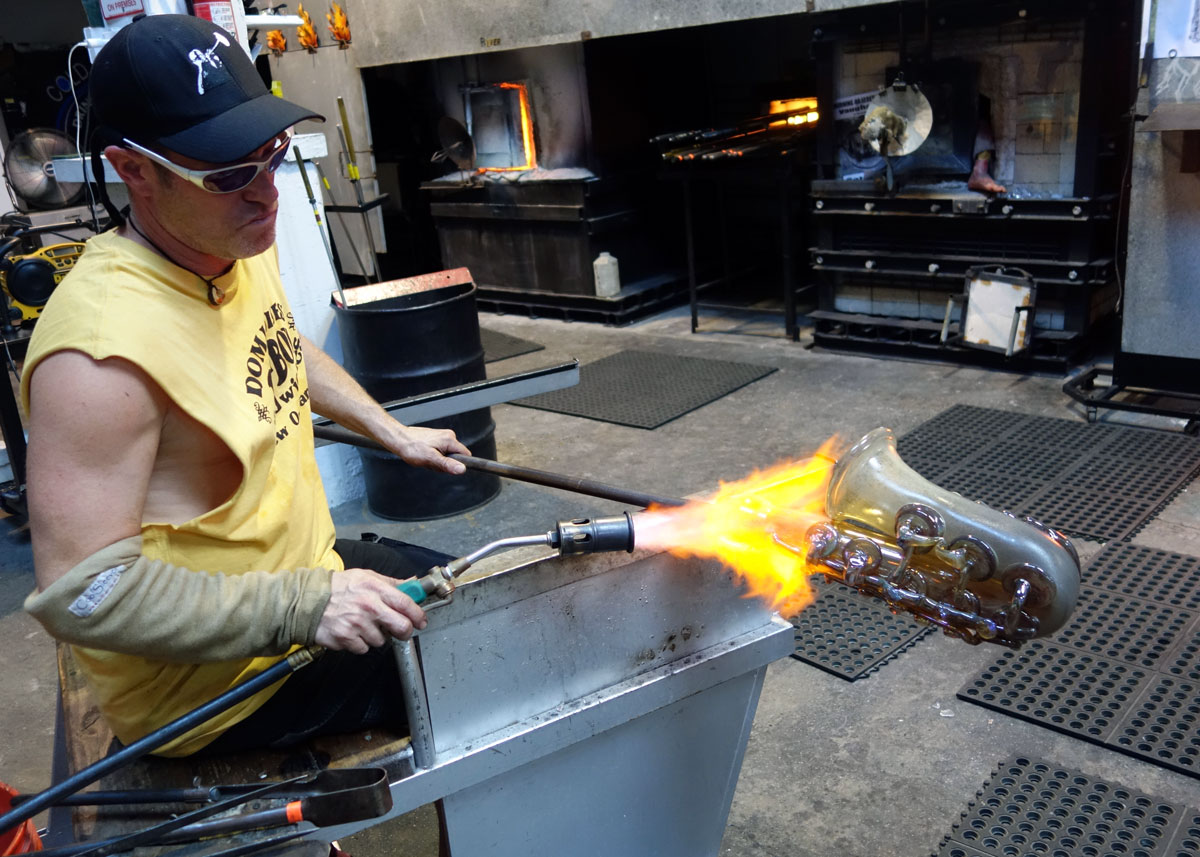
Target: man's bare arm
[[338, 396], [94, 430]]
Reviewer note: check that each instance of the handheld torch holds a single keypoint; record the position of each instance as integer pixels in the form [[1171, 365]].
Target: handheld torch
[[574, 536]]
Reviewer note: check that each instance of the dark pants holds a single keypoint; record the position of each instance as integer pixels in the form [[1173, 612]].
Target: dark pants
[[340, 692]]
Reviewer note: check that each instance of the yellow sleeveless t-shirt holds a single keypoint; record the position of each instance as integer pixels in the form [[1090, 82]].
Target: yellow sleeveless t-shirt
[[236, 368]]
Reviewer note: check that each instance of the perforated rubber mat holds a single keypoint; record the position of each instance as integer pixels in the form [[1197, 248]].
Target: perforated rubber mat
[[1033, 807], [645, 389], [849, 634], [501, 346], [1097, 481], [1125, 670]]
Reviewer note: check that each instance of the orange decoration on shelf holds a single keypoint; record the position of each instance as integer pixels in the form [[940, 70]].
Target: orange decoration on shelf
[[339, 26], [306, 33], [276, 42]]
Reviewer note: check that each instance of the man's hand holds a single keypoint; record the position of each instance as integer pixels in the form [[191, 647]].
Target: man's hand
[[338, 396], [428, 448], [364, 609]]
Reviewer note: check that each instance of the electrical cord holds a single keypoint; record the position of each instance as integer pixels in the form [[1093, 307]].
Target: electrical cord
[[62, 235], [78, 131]]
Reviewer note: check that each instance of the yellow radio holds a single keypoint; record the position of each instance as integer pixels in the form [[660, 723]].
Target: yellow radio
[[31, 278]]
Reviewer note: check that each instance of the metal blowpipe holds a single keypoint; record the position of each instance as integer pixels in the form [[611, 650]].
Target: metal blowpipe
[[575, 484], [352, 172], [312, 200], [979, 574]]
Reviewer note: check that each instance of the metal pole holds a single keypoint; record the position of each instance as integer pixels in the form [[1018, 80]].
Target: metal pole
[[523, 474], [416, 705], [691, 249], [789, 286], [312, 199], [352, 170], [362, 266], [31, 807]]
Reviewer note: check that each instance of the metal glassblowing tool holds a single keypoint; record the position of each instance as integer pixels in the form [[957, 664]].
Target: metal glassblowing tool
[[577, 536], [312, 200], [353, 174], [979, 574], [334, 208]]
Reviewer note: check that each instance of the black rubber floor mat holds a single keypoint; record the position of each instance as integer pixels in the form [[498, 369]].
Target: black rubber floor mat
[[1101, 482], [1156, 575], [1125, 670], [501, 346], [644, 389], [1164, 726], [1034, 807], [1061, 688], [1187, 839], [1119, 627], [850, 635]]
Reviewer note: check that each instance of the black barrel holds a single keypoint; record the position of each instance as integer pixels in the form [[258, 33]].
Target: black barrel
[[412, 344]]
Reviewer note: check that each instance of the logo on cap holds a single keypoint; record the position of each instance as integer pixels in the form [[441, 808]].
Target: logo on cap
[[204, 60]]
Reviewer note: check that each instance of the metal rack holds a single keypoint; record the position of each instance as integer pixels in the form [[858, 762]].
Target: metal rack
[[785, 176], [919, 244]]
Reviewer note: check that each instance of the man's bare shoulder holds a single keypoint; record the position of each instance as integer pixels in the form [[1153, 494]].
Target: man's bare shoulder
[[108, 395], [95, 427]]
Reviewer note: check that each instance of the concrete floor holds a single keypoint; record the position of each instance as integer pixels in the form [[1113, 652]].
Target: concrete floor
[[874, 768]]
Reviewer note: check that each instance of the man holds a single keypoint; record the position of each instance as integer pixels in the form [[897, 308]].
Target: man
[[182, 541], [983, 153]]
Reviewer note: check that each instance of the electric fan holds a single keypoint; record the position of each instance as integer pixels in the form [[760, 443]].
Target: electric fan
[[29, 169]]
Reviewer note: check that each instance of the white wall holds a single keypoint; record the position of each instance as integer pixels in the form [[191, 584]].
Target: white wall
[[392, 31], [309, 281]]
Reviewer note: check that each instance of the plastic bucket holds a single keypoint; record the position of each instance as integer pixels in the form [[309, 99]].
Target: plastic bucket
[[417, 343], [23, 838]]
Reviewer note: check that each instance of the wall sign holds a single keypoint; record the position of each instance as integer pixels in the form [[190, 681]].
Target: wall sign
[[113, 10], [220, 13]]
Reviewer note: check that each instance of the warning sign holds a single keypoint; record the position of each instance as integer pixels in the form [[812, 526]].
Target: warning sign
[[853, 106]]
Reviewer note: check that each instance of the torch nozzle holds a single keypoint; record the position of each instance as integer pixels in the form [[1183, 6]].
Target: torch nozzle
[[593, 535]]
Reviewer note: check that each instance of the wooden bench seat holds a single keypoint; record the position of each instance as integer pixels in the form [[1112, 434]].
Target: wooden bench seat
[[82, 737]]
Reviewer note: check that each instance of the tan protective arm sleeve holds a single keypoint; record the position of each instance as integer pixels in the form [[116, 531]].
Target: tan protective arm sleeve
[[120, 601]]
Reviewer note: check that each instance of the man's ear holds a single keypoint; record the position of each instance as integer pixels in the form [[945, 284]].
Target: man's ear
[[134, 169]]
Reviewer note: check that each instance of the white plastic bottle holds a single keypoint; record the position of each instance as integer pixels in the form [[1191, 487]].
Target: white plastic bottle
[[608, 275]]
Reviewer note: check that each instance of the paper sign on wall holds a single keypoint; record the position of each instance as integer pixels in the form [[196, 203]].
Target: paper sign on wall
[[228, 15], [219, 12], [113, 10], [853, 106]]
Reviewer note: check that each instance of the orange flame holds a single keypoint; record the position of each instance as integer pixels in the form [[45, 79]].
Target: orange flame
[[526, 132], [276, 42], [339, 25], [306, 34], [744, 524]]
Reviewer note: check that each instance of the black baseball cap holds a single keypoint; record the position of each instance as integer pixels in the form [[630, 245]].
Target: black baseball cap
[[185, 84]]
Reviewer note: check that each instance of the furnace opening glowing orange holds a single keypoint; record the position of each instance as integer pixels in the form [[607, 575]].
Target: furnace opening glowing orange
[[525, 126], [754, 526], [797, 111]]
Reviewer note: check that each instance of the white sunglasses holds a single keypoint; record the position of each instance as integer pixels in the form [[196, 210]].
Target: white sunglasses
[[222, 179]]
